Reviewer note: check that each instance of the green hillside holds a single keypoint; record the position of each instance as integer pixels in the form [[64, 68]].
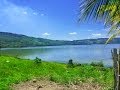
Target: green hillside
[[16, 40], [15, 70]]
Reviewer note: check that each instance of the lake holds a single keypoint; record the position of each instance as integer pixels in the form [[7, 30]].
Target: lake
[[79, 53]]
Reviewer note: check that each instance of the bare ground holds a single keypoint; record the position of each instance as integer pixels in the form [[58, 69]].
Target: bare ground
[[49, 85]]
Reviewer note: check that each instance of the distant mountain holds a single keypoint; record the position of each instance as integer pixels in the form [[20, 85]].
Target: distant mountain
[[16, 40]]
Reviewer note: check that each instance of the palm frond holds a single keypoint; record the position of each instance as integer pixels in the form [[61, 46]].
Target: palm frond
[[106, 10], [113, 36]]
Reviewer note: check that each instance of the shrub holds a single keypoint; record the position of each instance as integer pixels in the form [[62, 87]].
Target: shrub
[[38, 60], [70, 63], [100, 64], [78, 64]]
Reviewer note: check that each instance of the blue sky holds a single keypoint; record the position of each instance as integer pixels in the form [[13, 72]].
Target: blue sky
[[52, 19]]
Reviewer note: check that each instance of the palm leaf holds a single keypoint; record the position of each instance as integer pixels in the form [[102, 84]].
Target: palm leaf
[[106, 10], [113, 36]]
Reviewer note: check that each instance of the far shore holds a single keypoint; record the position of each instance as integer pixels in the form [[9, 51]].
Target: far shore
[[3, 48]]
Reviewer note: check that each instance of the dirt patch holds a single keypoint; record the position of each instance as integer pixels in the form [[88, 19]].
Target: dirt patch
[[48, 85]]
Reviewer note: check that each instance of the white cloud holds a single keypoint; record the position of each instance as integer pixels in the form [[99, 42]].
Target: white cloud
[[73, 33], [96, 35], [45, 34], [89, 30], [106, 29], [34, 13], [18, 19], [25, 12], [42, 14]]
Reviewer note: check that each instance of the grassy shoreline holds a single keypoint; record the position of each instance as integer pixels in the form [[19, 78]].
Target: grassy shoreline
[[15, 70]]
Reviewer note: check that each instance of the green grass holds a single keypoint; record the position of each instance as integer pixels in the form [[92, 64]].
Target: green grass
[[15, 70]]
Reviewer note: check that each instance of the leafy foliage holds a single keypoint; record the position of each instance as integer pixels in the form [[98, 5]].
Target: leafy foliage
[[38, 60], [70, 63], [105, 10], [100, 64]]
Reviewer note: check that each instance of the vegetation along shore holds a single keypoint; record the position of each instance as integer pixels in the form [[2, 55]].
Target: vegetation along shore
[[14, 70]]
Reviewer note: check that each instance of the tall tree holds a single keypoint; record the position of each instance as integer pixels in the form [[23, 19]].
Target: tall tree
[[106, 10]]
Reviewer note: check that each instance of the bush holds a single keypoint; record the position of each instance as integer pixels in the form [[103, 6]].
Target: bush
[[38, 60], [78, 64], [70, 63], [100, 64]]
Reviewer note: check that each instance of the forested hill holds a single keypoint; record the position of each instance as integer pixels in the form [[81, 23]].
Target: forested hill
[[16, 40]]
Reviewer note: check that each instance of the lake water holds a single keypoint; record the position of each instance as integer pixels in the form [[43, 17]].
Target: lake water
[[79, 53]]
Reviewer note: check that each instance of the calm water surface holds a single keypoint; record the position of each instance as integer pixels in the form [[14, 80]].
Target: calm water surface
[[79, 53]]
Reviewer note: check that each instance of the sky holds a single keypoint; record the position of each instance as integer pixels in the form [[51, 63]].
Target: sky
[[51, 19]]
